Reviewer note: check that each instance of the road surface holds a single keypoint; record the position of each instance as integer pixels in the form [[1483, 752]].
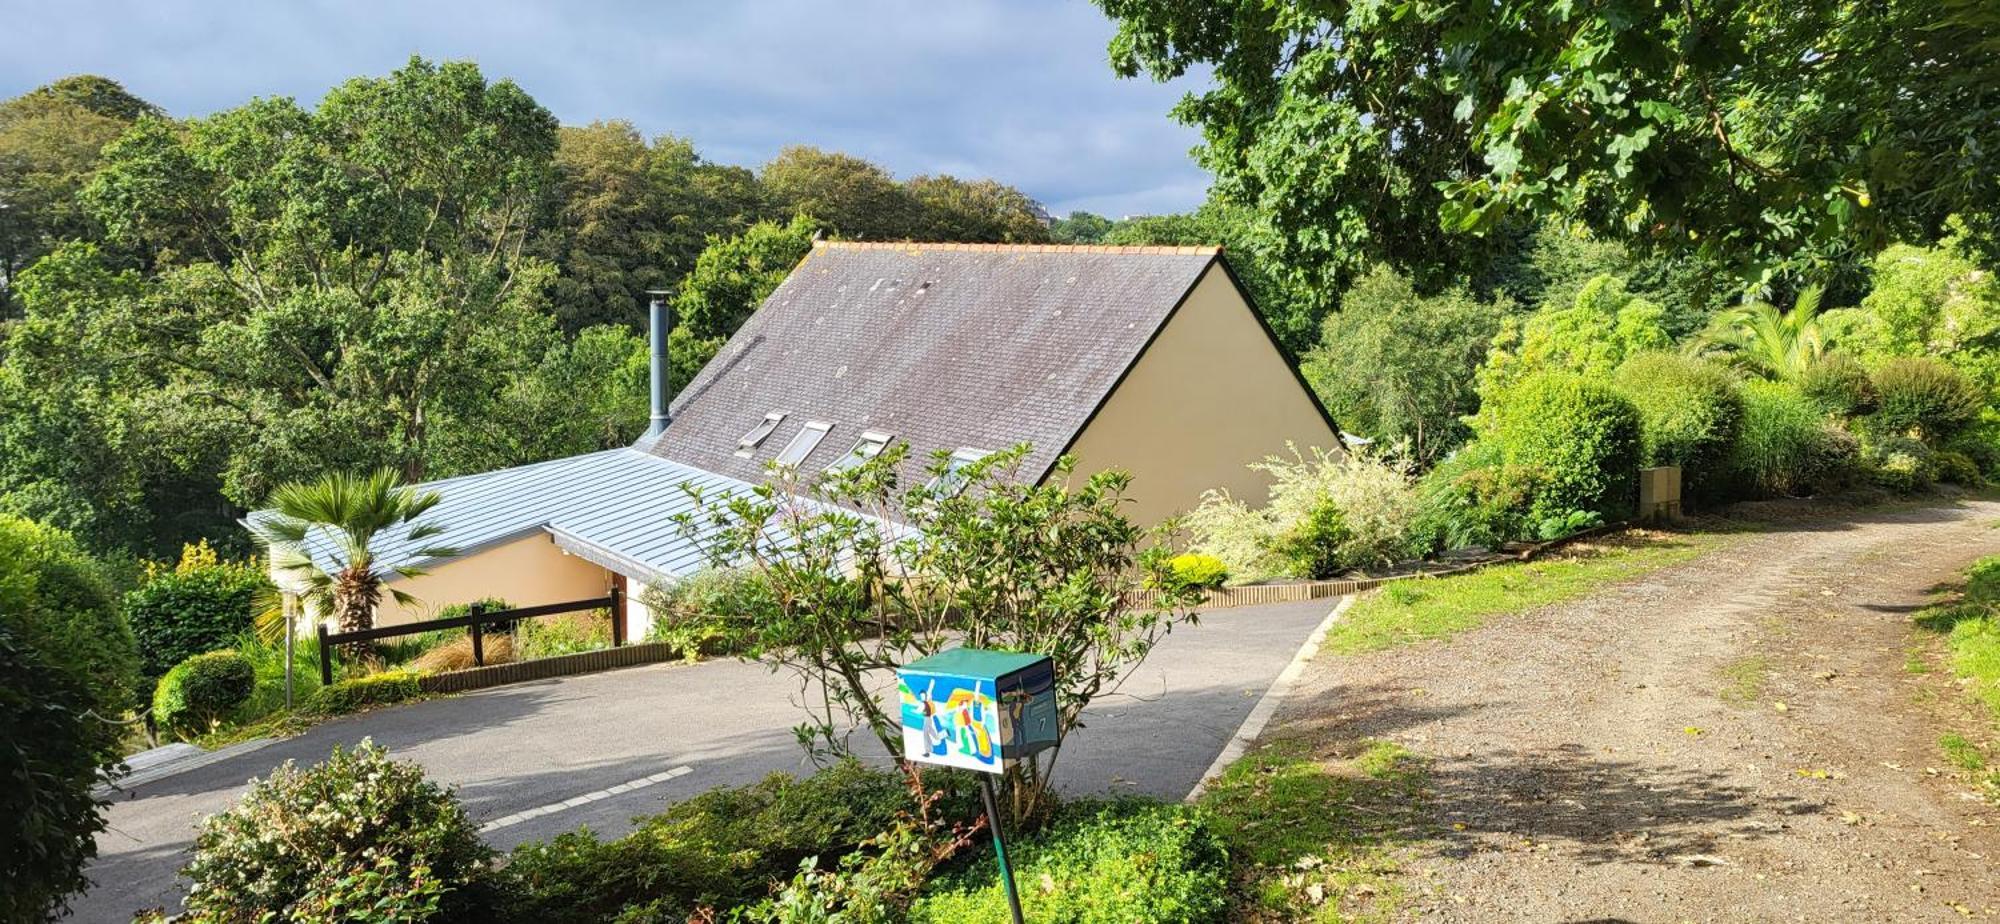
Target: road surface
[[533, 760]]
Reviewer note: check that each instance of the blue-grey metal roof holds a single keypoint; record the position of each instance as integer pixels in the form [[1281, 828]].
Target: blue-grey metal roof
[[615, 508]]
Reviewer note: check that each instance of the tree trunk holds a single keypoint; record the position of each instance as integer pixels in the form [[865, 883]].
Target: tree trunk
[[356, 595]]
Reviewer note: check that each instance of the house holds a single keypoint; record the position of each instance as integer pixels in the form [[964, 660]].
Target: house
[[1147, 359]]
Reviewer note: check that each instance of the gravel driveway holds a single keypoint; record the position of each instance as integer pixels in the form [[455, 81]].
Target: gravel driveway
[[1733, 739]]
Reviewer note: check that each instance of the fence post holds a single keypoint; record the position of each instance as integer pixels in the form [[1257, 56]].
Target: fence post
[[478, 636], [325, 658], [617, 612]]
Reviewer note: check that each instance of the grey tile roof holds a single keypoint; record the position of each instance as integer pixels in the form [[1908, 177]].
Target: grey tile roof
[[944, 346], [614, 507]]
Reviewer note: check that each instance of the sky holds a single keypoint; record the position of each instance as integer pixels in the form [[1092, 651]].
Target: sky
[[1017, 90]]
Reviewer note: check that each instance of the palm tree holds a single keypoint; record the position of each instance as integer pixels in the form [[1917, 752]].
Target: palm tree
[[340, 515], [1772, 343]]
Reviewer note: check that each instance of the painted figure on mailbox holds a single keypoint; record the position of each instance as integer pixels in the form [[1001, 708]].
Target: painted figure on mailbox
[[961, 724]]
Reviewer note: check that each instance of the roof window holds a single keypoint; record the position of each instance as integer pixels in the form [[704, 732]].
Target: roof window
[[953, 480], [804, 443], [751, 440], [870, 445]]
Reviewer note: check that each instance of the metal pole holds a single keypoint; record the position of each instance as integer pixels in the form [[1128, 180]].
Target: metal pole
[[999, 845], [285, 606]]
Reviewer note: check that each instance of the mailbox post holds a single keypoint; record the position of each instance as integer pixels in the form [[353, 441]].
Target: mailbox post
[[979, 710]]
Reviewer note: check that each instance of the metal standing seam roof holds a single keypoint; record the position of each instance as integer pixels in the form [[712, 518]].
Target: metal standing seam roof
[[614, 507], [943, 346]]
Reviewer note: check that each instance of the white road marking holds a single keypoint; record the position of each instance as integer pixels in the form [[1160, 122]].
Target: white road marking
[[585, 799], [1260, 714]]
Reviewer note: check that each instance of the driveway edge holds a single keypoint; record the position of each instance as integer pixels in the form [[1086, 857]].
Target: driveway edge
[[1267, 705]]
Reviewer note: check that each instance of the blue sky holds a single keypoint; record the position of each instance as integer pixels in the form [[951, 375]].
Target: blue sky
[[1013, 89]]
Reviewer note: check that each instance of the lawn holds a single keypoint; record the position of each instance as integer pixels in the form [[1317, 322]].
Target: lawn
[[1421, 609], [1319, 840], [1969, 622]]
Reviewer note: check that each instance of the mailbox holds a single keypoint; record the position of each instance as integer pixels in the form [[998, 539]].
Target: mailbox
[[977, 709]]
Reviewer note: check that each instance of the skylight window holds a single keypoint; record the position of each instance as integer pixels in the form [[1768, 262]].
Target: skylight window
[[751, 440], [870, 445], [953, 481], [804, 443]]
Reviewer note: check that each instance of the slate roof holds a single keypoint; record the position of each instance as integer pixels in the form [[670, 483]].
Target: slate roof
[[614, 507], [945, 346]]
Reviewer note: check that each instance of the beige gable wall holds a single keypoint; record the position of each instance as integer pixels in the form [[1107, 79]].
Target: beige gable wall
[[525, 572], [1209, 396]]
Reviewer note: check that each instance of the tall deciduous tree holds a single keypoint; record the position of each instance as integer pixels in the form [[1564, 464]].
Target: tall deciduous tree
[[983, 211], [1764, 131], [855, 198], [334, 284]]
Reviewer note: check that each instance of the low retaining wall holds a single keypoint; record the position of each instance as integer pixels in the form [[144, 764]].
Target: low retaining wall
[[473, 678]]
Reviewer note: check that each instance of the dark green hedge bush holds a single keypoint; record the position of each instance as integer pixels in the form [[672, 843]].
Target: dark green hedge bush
[[200, 691], [1473, 499], [1689, 413], [1924, 397], [1128, 860], [202, 605], [1580, 437], [56, 599], [51, 755], [1312, 547], [1838, 385], [723, 848], [359, 837], [347, 696]]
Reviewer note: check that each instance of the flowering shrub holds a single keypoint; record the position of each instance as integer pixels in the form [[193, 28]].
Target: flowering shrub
[[1326, 512]]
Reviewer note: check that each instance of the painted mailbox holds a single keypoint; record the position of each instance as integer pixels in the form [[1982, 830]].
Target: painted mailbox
[[977, 709]]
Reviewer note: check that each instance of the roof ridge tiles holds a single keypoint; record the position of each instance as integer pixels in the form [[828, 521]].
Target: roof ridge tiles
[[1119, 249]]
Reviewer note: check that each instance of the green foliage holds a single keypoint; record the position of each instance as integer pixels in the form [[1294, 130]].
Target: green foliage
[[1398, 366], [357, 836], [1580, 437], [1589, 336], [1080, 228], [204, 602], [707, 612], [1838, 386], [855, 198], [1194, 569], [733, 276], [1114, 861], [1953, 467], [1359, 133], [345, 513], [346, 696], [56, 601], [1785, 446], [1899, 463], [563, 634], [989, 557], [1293, 311], [1924, 397], [52, 754], [197, 693], [1971, 627], [1763, 340], [585, 394], [722, 848], [1934, 301], [1474, 499], [1325, 513], [975, 210], [1689, 412]]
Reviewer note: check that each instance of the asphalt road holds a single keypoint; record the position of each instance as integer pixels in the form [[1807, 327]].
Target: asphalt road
[[533, 760]]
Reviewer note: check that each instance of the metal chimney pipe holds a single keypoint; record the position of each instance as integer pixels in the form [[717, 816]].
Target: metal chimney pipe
[[661, 323]]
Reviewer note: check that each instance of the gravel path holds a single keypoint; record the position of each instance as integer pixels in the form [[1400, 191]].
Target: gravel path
[[1733, 739]]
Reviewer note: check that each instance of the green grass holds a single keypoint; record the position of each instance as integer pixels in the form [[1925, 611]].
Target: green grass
[[1969, 621], [1317, 842], [1421, 609], [1962, 753], [1744, 680]]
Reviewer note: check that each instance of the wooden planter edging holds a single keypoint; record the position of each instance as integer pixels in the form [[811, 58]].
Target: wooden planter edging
[[1255, 594], [493, 675]]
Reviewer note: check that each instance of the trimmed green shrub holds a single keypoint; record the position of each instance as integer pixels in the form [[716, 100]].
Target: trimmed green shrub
[[57, 602], [1838, 385], [1310, 547], [1689, 412], [201, 604], [347, 696], [706, 613], [1194, 569], [51, 755], [1899, 463], [360, 837], [1953, 467], [1785, 446], [1924, 397], [197, 693], [723, 848], [1581, 438], [1120, 861]]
